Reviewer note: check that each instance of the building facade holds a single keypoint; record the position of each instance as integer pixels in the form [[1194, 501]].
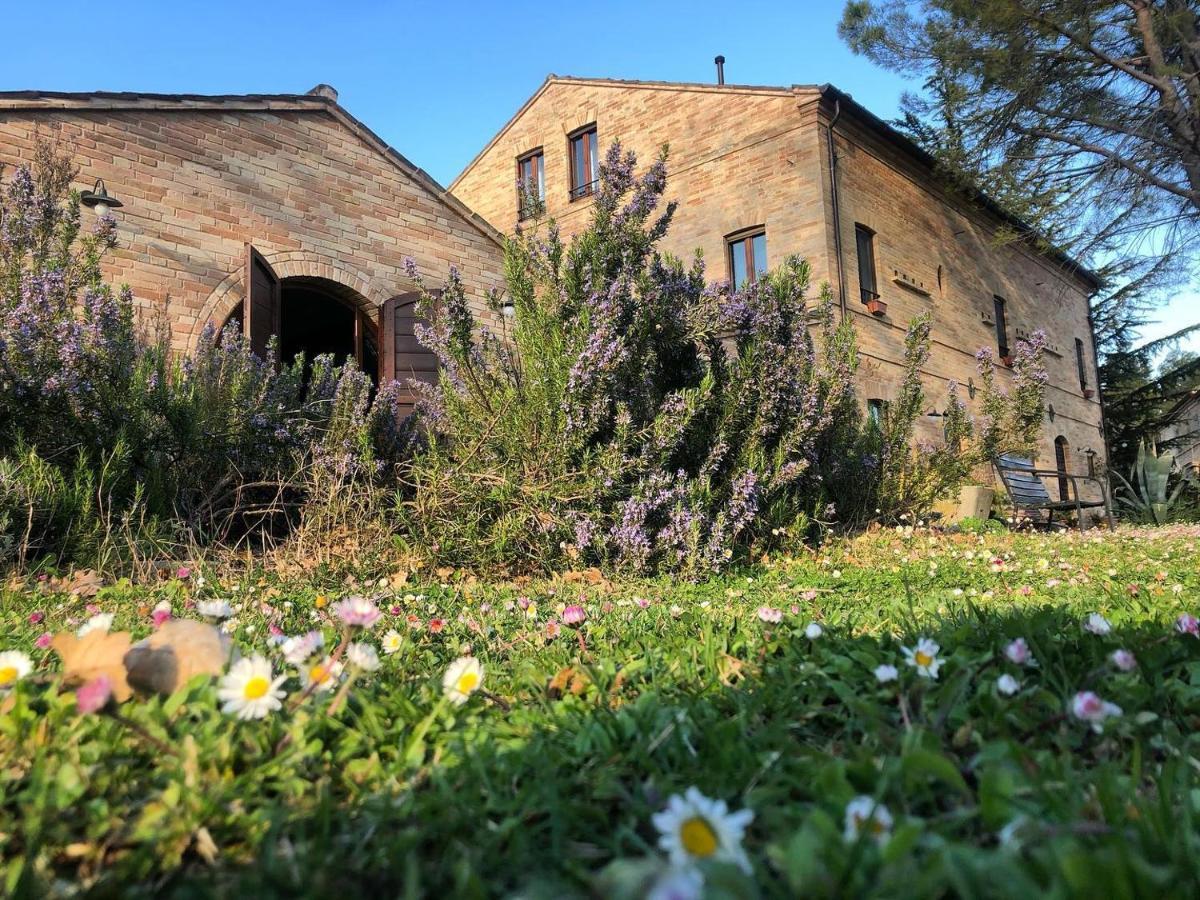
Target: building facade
[[1182, 433], [283, 212], [762, 173], [288, 215]]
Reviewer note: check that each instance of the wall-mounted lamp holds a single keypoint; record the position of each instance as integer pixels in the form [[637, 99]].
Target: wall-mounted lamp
[[99, 199], [971, 388], [507, 308], [1050, 412]]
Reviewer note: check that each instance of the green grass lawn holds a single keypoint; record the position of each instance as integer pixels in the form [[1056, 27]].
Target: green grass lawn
[[545, 782]]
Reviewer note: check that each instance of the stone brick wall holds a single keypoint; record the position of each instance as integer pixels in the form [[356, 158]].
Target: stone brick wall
[[959, 254], [739, 158], [313, 190], [743, 157]]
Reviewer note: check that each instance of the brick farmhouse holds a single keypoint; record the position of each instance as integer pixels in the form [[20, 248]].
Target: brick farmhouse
[[761, 173], [289, 194], [288, 214]]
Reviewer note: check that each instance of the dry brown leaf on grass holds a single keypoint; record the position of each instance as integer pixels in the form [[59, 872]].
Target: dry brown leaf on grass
[[592, 576], [173, 655], [96, 653], [82, 583]]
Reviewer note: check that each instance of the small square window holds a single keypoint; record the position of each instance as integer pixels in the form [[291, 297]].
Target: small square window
[[585, 163], [747, 257], [531, 183]]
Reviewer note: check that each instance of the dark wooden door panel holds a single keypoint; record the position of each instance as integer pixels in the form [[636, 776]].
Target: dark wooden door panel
[[262, 304]]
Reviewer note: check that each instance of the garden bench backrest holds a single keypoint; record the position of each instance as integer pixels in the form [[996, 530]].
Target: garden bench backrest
[[1027, 490]]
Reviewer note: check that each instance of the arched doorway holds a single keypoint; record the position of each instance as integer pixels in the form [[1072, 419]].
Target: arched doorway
[[314, 315], [317, 316], [310, 315], [1061, 448]]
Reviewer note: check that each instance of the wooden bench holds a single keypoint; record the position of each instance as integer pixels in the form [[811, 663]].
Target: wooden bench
[[1028, 492]]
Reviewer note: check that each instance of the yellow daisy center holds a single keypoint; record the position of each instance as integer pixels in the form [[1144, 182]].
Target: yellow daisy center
[[698, 837], [8, 675], [467, 682], [318, 674], [923, 658], [256, 688]]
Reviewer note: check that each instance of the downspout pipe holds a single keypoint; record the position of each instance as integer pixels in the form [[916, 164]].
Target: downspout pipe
[[837, 215]]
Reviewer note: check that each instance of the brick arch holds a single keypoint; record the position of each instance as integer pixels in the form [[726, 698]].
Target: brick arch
[[228, 295]]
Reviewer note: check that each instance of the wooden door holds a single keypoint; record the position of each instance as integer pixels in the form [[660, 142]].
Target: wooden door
[[402, 357], [262, 304]]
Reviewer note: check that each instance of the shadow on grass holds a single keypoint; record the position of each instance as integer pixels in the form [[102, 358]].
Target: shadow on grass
[[534, 801]]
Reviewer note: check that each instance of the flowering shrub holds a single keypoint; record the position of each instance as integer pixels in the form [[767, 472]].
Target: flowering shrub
[[104, 430], [630, 414]]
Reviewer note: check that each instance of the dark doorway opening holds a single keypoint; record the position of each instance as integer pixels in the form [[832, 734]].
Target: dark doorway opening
[[315, 320], [313, 324]]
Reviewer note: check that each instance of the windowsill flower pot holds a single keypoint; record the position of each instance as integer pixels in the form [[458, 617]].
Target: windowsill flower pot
[[876, 307]]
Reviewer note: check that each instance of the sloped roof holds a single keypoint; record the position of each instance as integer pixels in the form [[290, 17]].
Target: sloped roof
[[322, 99], [833, 94]]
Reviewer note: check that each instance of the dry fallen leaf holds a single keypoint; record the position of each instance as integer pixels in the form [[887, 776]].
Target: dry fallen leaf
[[85, 583], [180, 650], [96, 653]]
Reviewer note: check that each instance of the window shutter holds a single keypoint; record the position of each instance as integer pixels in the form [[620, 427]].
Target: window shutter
[[261, 306], [402, 357]]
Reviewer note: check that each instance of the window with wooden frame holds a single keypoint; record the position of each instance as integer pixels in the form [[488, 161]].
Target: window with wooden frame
[[999, 309], [864, 240], [585, 162], [531, 183], [1081, 364], [747, 256]]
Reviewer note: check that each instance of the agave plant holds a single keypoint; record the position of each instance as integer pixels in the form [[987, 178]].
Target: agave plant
[[1148, 493]]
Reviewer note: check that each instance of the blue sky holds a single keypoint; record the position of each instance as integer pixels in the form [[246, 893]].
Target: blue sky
[[436, 79]]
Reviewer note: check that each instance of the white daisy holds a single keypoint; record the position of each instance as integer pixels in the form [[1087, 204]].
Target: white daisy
[[866, 817], [1123, 660], [462, 678], [925, 657], [363, 656], [694, 828], [14, 665], [392, 641], [214, 609], [322, 675], [885, 673], [248, 691], [101, 622], [1088, 707], [296, 650], [1018, 652], [678, 883], [1007, 685], [357, 611]]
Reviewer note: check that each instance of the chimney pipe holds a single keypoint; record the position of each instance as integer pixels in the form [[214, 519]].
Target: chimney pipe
[[720, 61]]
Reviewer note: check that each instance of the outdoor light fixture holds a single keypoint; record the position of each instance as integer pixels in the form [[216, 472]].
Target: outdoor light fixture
[[507, 308], [98, 199], [1050, 412], [971, 388]]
